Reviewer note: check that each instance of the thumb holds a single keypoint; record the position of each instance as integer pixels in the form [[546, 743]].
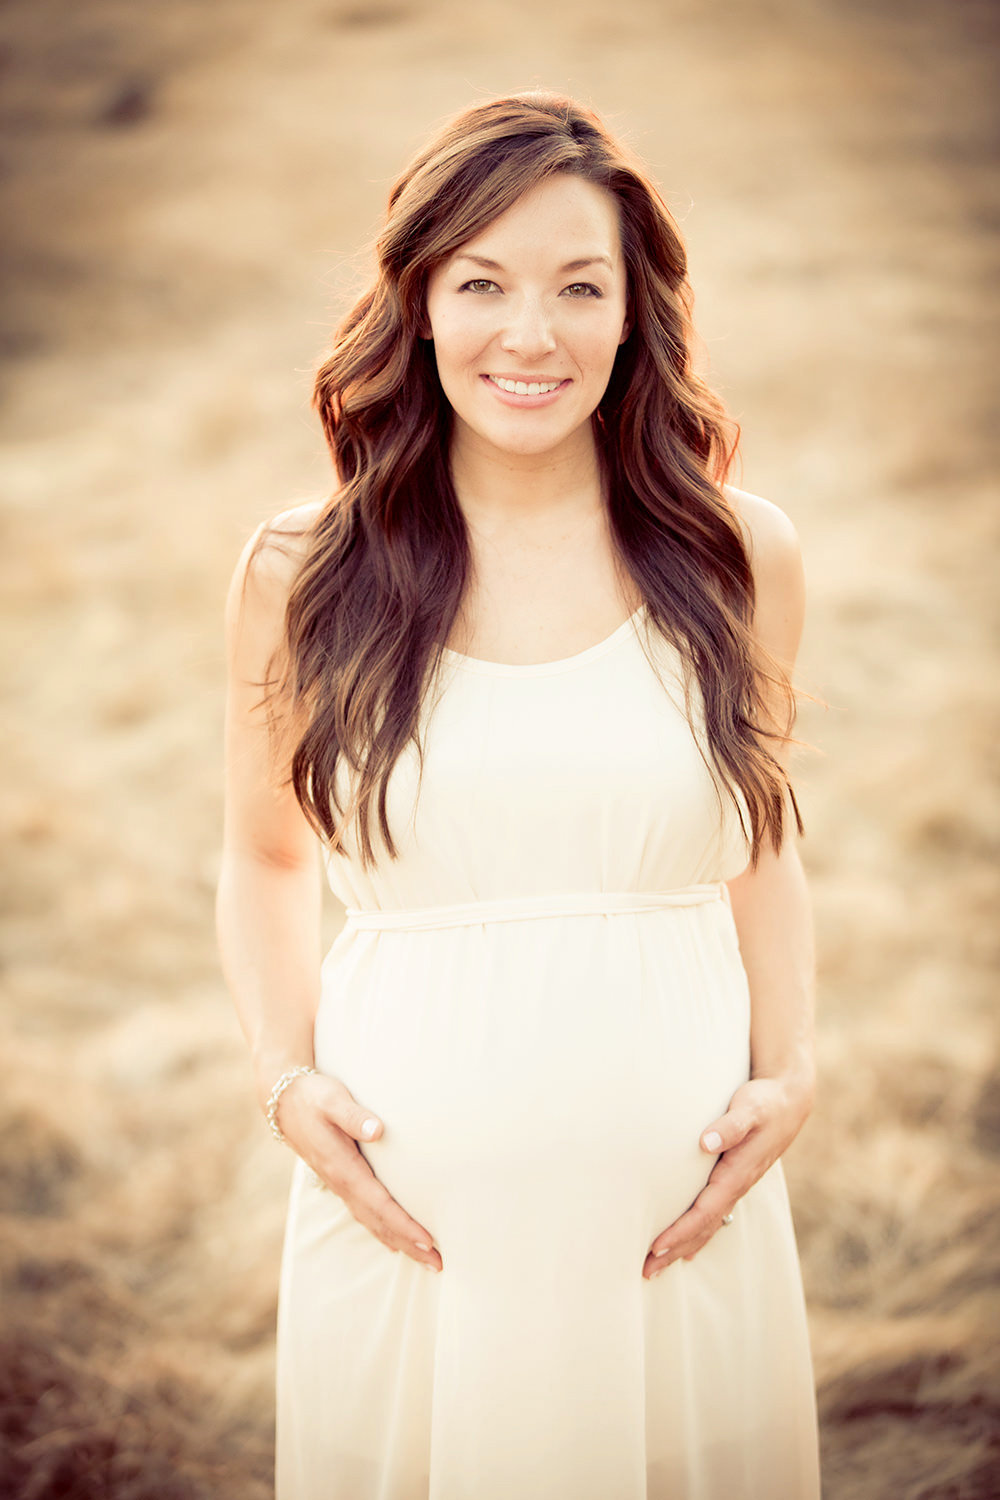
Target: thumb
[[354, 1120], [727, 1131]]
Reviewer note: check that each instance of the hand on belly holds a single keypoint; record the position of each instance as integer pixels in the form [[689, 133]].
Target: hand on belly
[[323, 1123], [763, 1118]]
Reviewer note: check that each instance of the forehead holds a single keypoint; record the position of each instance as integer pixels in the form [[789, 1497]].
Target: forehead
[[564, 215]]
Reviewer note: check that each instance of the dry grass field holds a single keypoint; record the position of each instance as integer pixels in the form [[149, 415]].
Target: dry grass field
[[188, 188]]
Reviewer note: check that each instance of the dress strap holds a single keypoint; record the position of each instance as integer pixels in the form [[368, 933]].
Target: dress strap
[[523, 908]]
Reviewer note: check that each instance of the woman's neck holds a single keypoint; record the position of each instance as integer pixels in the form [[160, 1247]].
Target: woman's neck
[[500, 491]]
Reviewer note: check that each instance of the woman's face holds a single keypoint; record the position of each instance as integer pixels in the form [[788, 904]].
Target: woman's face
[[527, 318]]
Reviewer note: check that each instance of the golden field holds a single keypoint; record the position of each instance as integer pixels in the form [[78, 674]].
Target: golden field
[[188, 190]]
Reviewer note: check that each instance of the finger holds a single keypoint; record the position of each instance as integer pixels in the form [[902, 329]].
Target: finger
[[654, 1265], [373, 1205], [353, 1119], [729, 1129], [685, 1249], [704, 1216]]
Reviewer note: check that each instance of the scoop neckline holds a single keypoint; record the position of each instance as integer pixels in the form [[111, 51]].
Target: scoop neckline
[[540, 668]]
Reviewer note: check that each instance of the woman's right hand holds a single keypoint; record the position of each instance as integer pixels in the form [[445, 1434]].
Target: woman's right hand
[[322, 1122]]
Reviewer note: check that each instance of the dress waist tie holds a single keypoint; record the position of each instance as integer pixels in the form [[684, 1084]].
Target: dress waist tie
[[524, 908]]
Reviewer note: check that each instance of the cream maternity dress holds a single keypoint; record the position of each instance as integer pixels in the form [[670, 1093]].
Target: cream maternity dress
[[543, 998]]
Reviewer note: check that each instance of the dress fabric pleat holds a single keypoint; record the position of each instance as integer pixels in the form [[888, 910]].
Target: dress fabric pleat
[[543, 999]]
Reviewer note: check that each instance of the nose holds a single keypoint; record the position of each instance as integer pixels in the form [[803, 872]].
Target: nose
[[528, 331]]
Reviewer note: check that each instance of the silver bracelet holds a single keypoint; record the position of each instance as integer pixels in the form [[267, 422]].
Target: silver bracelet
[[271, 1108]]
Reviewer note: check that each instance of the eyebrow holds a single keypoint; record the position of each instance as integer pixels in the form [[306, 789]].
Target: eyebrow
[[571, 265]]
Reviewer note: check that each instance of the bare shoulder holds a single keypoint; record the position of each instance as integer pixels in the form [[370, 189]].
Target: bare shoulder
[[769, 532], [267, 568], [278, 547], [276, 550], [779, 578]]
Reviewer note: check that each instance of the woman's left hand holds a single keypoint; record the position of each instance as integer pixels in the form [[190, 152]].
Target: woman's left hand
[[764, 1117]]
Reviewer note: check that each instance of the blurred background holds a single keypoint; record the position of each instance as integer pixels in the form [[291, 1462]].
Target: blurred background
[[188, 192]]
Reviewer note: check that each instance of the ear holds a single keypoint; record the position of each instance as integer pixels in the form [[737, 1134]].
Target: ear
[[626, 330]]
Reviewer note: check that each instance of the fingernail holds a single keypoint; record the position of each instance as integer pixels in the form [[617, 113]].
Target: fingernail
[[665, 1251], [422, 1246], [658, 1272], [428, 1265], [713, 1140], [369, 1128]]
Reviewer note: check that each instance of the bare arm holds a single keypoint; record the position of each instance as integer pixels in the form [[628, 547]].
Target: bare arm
[[773, 917], [268, 906], [771, 905], [268, 916]]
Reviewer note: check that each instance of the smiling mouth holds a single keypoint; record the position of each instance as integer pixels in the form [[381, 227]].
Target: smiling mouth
[[525, 387]]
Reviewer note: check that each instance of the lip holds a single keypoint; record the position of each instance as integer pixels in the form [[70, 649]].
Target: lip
[[508, 399]]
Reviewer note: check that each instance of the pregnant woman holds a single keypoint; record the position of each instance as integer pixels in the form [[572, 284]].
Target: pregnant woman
[[527, 676]]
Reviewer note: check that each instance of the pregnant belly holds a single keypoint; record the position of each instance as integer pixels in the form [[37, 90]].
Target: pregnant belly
[[541, 1083]]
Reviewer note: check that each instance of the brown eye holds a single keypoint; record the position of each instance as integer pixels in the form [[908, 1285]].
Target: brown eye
[[583, 289]]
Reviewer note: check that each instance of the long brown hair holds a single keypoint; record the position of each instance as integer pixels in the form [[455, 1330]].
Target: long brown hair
[[388, 559]]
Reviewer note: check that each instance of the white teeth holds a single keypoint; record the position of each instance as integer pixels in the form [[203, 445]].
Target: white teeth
[[524, 388]]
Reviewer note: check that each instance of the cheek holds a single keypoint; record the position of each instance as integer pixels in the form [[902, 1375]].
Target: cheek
[[459, 337], [603, 344], [592, 342]]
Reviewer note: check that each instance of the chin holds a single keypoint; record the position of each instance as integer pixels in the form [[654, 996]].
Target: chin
[[528, 441], [531, 447]]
